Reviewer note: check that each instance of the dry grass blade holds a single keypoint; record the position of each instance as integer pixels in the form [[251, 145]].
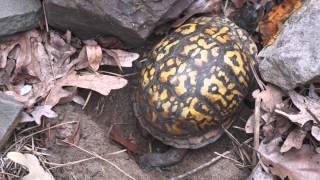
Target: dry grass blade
[[59, 165], [207, 164], [45, 16], [102, 158], [9, 174], [256, 132], [229, 158], [87, 100], [239, 145], [32, 134], [256, 76]]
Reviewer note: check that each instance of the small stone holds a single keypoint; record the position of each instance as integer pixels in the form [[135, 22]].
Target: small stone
[[9, 111], [18, 15], [294, 58]]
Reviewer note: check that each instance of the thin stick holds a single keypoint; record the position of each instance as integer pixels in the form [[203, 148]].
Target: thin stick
[[239, 145], [255, 74], [9, 174], [225, 7], [87, 100], [213, 160], [256, 132], [229, 158], [59, 165], [45, 16], [239, 128], [35, 133], [102, 158], [313, 115]]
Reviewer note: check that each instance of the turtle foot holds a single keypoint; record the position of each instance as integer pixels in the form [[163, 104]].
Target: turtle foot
[[152, 160]]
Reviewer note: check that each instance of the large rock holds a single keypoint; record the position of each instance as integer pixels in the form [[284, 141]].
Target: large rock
[[130, 20], [18, 15], [294, 58], [9, 110]]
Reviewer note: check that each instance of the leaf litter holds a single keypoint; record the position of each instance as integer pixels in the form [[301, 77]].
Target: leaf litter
[[290, 132], [42, 70], [46, 70]]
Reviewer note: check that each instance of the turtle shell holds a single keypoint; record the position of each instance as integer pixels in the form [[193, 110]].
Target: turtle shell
[[194, 82]]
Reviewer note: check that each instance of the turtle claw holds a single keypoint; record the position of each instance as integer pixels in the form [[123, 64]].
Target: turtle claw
[[171, 157]]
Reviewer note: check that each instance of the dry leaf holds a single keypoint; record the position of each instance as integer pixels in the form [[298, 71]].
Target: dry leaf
[[117, 57], [271, 96], [294, 140], [94, 54], [259, 174], [36, 171], [82, 59], [58, 94], [276, 127], [250, 124], [315, 131], [37, 114], [294, 164], [117, 136], [96, 82], [59, 56], [309, 109], [24, 49]]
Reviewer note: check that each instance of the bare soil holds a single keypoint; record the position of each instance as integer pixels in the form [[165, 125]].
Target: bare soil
[[115, 111]]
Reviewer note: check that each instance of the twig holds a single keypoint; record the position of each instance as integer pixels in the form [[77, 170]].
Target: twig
[[225, 7], [255, 74], [313, 115], [45, 16], [35, 133], [213, 160], [59, 165], [9, 174], [239, 128], [87, 100], [118, 75], [256, 132], [102, 158], [226, 157], [109, 130], [239, 145]]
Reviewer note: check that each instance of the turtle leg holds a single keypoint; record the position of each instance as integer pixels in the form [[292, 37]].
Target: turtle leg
[[152, 160]]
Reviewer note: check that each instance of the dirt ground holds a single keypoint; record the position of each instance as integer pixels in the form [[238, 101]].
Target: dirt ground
[[116, 111]]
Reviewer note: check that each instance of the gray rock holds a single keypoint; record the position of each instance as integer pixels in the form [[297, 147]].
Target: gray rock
[[9, 110], [294, 58], [18, 15], [130, 20]]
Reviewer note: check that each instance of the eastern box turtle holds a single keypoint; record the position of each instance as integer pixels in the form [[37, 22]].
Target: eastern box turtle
[[194, 82]]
